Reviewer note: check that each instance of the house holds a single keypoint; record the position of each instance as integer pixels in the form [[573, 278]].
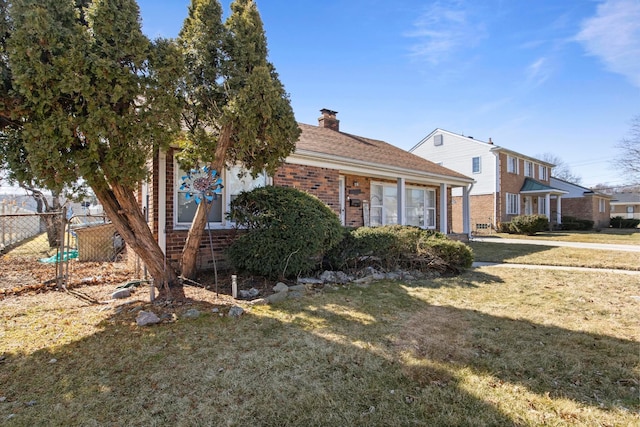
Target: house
[[364, 181], [626, 205], [507, 184], [583, 203]]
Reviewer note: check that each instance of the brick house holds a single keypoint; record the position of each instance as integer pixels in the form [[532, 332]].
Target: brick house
[[507, 184], [626, 205], [583, 203], [364, 181]]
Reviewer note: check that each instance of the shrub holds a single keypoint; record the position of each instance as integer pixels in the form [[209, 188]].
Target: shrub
[[529, 224], [620, 222], [288, 232], [394, 246], [504, 227], [573, 223]]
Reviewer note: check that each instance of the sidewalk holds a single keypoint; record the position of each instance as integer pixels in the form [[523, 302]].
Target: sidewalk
[[599, 246], [553, 267]]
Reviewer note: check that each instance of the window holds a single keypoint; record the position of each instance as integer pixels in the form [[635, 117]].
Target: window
[[420, 206], [528, 169], [235, 181], [475, 164], [542, 205], [601, 205], [512, 164], [542, 173], [513, 204]]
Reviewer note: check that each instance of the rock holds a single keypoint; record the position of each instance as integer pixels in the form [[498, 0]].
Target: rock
[[280, 287], [365, 281], [192, 313], [298, 288], [339, 277], [145, 318], [277, 297], [121, 293], [259, 301], [236, 311], [250, 294], [53, 361], [215, 310], [310, 281]]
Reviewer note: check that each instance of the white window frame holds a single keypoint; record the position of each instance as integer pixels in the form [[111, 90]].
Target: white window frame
[[513, 204], [476, 164], [513, 164], [543, 173], [428, 204], [602, 207], [529, 169], [226, 196]]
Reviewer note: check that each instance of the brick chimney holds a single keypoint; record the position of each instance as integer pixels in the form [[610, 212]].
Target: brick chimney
[[328, 120]]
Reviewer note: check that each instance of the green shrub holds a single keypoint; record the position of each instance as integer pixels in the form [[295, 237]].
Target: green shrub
[[620, 222], [288, 232], [504, 227], [394, 246], [529, 224], [573, 223]]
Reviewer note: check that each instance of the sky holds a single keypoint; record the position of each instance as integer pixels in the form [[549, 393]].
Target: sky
[[535, 76]]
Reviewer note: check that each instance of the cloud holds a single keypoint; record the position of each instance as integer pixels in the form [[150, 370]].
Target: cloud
[[538, 72], [442, 29], [613, 35]]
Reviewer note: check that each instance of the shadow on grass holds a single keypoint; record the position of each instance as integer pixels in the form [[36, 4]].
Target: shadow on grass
[[500, 252], [339, 358]]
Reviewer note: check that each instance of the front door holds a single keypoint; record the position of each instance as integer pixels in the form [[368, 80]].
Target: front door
[[528, 205]]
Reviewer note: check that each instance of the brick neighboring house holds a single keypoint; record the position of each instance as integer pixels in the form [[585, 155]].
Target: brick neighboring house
[[508, 183], [583, 203], [364, 181], [626, 205]]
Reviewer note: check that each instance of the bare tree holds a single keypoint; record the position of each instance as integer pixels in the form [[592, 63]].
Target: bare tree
[[561, 170], [628, 160]]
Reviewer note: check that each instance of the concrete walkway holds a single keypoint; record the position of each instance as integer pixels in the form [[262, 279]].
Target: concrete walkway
[[554, 267], [599, 246]]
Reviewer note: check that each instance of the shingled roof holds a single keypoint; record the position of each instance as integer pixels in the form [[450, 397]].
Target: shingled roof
[[357, 149]]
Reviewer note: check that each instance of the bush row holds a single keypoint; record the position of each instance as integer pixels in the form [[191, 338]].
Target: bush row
[[620, 222], [525, 224]]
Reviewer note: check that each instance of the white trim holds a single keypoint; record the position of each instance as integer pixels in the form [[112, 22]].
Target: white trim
[[162, 201], [342, 197], [444, 228]]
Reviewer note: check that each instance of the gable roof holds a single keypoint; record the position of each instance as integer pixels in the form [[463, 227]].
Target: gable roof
[[626, 198], [575, 188], [489, 145], [530, 185], [345, 150]]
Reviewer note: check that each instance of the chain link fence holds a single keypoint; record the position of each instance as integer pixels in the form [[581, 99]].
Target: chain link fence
[[40, 251]]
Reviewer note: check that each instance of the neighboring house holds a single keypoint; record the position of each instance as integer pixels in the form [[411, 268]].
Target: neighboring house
[[583, 203], [364, 181], [626, 205], [508, 183]]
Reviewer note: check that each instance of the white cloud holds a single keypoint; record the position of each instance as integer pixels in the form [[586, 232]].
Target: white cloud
[[442, 29], [538, 72], [613, 35]]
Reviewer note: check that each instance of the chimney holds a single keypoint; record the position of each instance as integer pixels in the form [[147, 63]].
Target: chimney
[[490, 141], [328, 120]]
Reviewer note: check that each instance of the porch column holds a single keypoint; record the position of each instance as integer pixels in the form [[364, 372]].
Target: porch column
[[547, 208], [443, 209], [559, 210], [401, 202], [466, 212]]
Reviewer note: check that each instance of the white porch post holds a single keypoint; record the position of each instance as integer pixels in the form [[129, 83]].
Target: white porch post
[[559, 210], [547, 208], [401, 202], [443, 209], [162, 201], [466, 212]]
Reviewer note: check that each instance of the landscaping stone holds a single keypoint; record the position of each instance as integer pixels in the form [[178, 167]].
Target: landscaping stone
[[280, 287], [121, 293], [310, 281], [145, 318], [192, 313], [277, 297], [236, 311], [248, 294]]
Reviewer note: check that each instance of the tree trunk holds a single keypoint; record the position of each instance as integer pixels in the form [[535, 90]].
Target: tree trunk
[[196, 231], [124, 212]]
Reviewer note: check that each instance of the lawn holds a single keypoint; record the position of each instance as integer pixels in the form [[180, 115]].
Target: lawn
[[493, 346], [606, 235]]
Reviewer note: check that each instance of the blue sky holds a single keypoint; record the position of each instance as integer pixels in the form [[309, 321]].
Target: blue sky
[[543, 76]]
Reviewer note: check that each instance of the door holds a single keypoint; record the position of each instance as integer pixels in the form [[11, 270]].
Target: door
[[528, 205], [341, 192], [630, 212]]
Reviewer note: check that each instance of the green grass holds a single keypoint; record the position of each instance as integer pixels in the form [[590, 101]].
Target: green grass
[[606, 235], [493, 346], [552, 255]]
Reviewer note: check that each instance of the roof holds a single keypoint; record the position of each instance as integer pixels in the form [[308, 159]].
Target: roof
[[490, 145], [576, 187], [347, 148], [532, 186], [626, 198]]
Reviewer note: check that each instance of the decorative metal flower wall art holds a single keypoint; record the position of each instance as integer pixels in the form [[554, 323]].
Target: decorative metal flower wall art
[[202, 184]]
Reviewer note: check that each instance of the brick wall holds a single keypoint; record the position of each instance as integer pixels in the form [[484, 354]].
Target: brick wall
[[587, 207], [321, 182]]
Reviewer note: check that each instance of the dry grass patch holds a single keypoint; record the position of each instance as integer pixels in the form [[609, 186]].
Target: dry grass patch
[[490, 347], [606, 235], [553, 255]]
